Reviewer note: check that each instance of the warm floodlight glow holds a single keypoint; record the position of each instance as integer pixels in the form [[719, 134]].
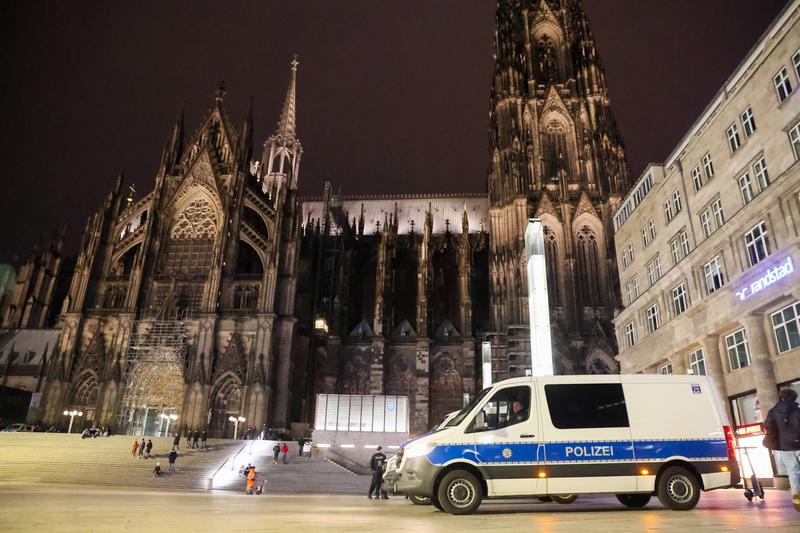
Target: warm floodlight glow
[[538, 305]]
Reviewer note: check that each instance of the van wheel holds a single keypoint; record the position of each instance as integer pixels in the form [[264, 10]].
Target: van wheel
[[460, 492], [435, 503], [634, 501], [678, 489], [564, 498], [419, 500]]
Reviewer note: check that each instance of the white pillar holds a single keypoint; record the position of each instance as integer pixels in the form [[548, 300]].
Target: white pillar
[[538, 304]]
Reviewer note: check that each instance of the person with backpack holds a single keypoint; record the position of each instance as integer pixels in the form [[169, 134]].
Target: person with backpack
[[276, 451], [783, 435]]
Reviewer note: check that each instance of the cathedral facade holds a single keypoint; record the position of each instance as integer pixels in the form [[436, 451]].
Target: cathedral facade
[[223, 293]]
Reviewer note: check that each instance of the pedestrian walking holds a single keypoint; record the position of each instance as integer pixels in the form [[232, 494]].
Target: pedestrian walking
[[148, 448], [284, 452], [251, 480], [204, 440], [173, 456], [276, 450], [195, 437], [135, 448], [142, 446], [376, 464], [188, 437], [307, 449], [300, 442], [783, 425], [157, 469], [176, 442]]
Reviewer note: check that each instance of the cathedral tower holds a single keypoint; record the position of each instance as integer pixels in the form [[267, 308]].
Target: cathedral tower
[[555, 154]]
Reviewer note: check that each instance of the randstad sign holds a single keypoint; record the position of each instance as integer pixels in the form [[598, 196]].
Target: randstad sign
[[768, 276]]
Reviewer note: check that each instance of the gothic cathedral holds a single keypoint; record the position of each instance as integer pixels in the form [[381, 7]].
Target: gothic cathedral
[[223, 293]]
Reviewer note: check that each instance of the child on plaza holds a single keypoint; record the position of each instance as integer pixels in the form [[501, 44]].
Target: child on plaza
[[157, 470], [251, 480]]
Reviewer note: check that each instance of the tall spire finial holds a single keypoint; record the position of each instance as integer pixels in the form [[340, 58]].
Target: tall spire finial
[[219, 95], [287, 123]]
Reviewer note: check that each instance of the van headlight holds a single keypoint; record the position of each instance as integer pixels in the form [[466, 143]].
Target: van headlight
[[418, 450]]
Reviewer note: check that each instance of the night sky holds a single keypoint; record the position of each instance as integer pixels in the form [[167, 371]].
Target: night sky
[[392, 96]]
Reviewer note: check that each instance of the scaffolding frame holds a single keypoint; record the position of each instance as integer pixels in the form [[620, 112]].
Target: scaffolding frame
[[155, 364]]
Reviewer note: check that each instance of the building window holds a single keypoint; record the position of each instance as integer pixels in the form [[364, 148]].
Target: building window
[[746, 188], [708, 166], [715, 279], [651, 273], [705, 221], [657, 265], [748, 122], [762, 176], [633, 289], [627, 254], [697, 179], [782, 84], [738, 353], [645, 237], [697, 362], [684, 238], [796, 61], [652, 318], [651, 226], [719, 217], [757, 243], [786, 324], [665, 369], [676, 201], [630, 333], [668, 214], [733, 137], [794, 138], [679, 299], [675, 250]]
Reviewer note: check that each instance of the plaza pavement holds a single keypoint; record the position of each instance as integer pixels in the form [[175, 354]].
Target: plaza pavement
[[44, 508]]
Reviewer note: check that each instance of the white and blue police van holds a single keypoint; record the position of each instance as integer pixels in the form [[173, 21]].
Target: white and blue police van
[[555, 437]]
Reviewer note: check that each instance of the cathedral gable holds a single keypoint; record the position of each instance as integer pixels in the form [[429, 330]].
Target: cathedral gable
[[585, 206], [546, 207]]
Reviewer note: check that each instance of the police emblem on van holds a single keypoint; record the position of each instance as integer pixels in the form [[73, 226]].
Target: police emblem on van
[[506, 453]]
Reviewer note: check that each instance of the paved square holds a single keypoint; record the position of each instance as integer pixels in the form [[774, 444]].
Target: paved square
[[79, 509]]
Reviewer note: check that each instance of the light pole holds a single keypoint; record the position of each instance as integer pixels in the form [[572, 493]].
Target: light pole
[[72, 414], [168, 419], [236, 420]]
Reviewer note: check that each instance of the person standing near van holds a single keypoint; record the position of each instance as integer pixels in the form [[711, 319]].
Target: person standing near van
[[376, 464], [784, 420]]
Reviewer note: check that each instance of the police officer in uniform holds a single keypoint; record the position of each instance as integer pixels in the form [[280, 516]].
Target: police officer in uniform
[[376, 464]]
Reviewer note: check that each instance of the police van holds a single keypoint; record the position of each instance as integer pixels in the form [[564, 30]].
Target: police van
[[559, 436]]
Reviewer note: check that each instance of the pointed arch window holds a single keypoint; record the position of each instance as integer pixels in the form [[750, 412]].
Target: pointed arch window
[[551, 258], [588, 266], [191, 246]]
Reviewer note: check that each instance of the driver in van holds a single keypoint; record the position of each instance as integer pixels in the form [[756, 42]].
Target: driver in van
[[518, 412]]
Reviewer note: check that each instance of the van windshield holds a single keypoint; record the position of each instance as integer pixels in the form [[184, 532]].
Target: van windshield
[[469, 407]]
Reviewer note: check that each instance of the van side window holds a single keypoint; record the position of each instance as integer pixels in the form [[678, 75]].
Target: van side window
[[507, 407], [587, 405]]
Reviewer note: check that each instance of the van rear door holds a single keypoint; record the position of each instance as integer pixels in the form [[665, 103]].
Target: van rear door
[[505, 433]]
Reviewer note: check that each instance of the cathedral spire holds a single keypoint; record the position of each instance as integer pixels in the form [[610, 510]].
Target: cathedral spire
[[287, 125], [174, 146]]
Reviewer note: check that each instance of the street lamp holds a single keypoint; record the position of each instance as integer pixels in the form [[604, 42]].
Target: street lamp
[[236, 420], [72, 414], [168, 419]]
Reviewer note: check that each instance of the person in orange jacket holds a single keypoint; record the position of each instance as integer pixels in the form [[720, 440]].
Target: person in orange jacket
[[251, 480], [134, 448]]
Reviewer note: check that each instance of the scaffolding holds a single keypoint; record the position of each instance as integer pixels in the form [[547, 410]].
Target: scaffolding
[[155, 367]]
